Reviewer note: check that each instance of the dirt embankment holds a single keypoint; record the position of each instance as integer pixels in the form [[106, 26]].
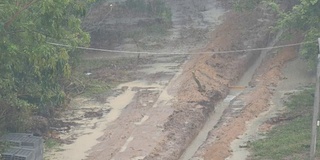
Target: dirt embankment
[[256, 101], [170, 123], [215, 72]]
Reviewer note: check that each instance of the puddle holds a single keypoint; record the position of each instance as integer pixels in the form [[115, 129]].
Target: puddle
[[142, 120], [138, 158], [85, 136], [94, 128], [117, 104], [124, 147], [229, 98]]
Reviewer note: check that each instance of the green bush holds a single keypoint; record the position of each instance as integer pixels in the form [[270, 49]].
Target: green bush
[[32, 70]]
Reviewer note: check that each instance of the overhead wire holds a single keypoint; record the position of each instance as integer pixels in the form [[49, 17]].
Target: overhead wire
[[172, 53]]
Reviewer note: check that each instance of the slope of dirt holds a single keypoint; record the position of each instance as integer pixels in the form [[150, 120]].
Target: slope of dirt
[[215, 73], [129, 121], [115, 27], [157, 116], [295, 77], [255, 100]]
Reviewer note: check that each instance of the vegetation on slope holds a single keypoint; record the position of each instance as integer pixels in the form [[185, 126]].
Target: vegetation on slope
[[297, 15], [290, 139]]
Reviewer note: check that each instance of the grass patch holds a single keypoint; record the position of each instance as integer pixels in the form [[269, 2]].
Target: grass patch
[[85, 85], [51, 144], [105, 74], [290, 139], [96, 87]]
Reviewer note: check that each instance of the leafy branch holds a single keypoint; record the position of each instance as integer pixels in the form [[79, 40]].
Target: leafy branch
[[24, 7]]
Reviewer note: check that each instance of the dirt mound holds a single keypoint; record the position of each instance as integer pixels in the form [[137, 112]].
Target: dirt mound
[[215, 73], [257, 101], [159, 116]]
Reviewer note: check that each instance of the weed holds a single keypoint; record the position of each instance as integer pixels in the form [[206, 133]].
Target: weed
[[291, 139], [51, 143], [303, 101], [94, 77]]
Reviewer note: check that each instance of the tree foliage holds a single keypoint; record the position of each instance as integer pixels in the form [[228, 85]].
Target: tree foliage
[[31, 69], [303, 16]]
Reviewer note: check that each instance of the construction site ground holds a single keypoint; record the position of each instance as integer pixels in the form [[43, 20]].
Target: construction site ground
[[183, 100]]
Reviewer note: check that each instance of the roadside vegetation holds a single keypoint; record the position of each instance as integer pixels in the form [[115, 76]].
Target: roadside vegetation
[[290, 138], [33, 72], [93, 77], [38, 78], [294, 16], [155, 21]]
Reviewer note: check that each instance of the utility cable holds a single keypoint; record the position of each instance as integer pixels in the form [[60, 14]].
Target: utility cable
[[213, 52]]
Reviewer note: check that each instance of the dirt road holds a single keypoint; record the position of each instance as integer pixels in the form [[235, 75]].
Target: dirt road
[[159, 115], [132, 121]]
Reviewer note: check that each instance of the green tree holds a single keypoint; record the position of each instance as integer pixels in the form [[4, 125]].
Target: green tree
[[305, 16], [295, 15], [31, 69]]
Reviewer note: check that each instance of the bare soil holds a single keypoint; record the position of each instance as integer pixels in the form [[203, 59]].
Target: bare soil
[[160, 107], [216, 73], [257, 101]]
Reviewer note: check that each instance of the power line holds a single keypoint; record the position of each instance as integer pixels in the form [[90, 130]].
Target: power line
[[213, 52]]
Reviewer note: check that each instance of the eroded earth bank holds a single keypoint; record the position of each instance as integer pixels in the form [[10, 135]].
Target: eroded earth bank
[[167, 99]]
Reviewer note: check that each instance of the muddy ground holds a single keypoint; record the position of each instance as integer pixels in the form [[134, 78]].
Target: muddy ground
[[165, 100]]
